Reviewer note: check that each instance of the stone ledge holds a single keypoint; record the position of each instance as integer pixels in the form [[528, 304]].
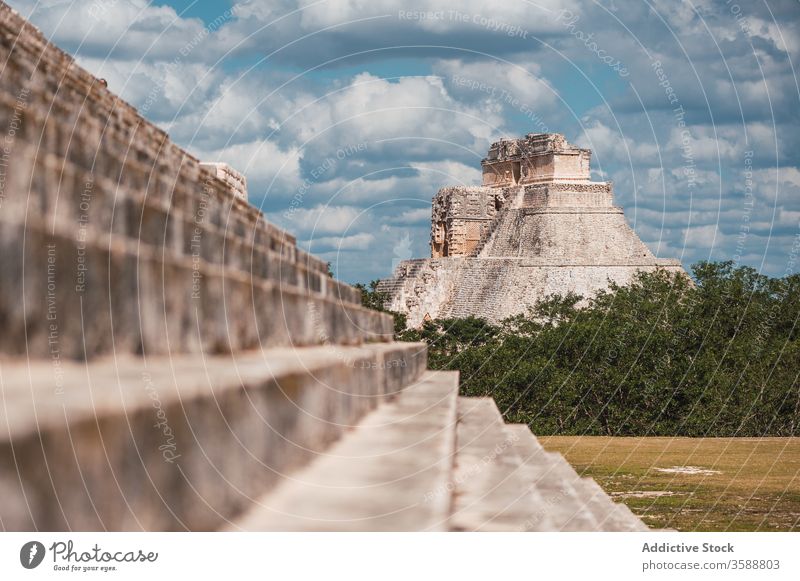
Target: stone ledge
[[148, 220], [144, 300], [572, 210], [531, 262], [569, 502], [177, 443], [491, 492], [390, 474], [570, 186]]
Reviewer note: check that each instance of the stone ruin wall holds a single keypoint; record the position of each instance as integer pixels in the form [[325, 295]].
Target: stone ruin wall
[[501, 174], [568, 195], [536, 158], [568, 236], [565, 166], [235, 181], [139, 240], [495, 289], [460, 217]]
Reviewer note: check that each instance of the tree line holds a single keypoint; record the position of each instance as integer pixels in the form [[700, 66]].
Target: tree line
[[714, 355]]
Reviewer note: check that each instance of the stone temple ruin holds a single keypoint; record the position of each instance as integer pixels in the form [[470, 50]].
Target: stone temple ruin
[[169, 360], [538, 225]]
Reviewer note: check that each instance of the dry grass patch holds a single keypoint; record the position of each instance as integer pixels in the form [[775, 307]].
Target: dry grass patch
[[695, 484]]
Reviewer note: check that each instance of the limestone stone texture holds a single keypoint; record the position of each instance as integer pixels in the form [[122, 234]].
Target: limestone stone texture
[[536, 226], [169, 360], [101, 213], [233, 180]]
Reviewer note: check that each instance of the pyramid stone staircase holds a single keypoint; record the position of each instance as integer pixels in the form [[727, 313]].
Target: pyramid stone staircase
[[171, 361], [405, 270], [430, 460], [487, 234]]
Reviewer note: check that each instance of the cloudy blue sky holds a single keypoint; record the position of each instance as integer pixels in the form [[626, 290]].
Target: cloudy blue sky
[[346, 116]]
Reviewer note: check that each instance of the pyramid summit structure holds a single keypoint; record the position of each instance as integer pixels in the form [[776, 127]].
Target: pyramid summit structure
[[537, 226]]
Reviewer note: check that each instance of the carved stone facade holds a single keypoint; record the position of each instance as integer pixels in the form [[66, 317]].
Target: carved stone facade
[[460, 217], [536, 226], [536, 158]]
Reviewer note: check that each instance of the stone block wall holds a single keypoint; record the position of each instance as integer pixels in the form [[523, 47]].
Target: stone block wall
[[536, 158], [497, 288], [555, 166], [568, 236], [501, 174], [114, 239], [561, 194]]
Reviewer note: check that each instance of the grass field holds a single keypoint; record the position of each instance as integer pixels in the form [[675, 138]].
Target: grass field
[[695, 484]]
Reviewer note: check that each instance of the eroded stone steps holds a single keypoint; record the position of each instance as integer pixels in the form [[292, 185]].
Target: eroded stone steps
[[182, 442], [492, 492], [506, 237], [468, 298], [573, 503], [391, 473], [611, 515], [487, 235], [282, 439], [554, 480], [405, 271], [514, 202], [429, 461]]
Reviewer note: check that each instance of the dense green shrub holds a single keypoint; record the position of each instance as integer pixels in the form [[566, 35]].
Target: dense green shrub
[[716, 356]]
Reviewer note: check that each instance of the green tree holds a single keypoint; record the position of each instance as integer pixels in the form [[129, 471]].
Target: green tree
[[664, 355], [376, 300]]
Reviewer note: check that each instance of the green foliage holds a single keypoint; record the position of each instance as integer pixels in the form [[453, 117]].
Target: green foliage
[[448, 339], [662, 356]]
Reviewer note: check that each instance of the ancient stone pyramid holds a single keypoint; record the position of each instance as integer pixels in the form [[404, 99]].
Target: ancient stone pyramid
[[537, 226], [169, 360]]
